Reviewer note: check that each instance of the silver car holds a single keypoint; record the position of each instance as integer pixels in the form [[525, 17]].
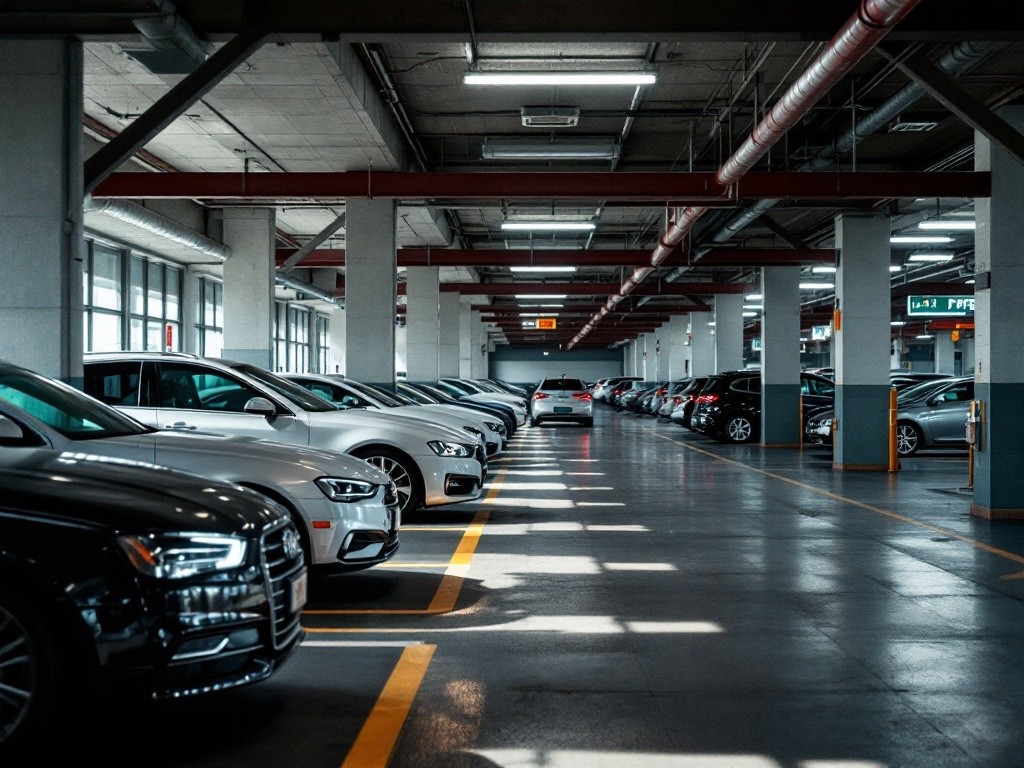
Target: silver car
[[346, 510], [562, 399]]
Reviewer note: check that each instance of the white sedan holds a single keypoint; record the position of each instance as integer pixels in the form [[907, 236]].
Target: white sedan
[[430, 465]]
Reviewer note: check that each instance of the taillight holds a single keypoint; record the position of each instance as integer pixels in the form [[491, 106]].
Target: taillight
[[540, 396], [616, 392], [677, 399], [582, 396], [706, 399]]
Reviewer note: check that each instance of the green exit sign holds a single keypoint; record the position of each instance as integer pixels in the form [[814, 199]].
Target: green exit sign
[[940, 306]]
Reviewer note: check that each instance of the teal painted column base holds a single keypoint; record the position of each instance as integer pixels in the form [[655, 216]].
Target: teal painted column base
[[862, 436], [999, 460], [780, 416]]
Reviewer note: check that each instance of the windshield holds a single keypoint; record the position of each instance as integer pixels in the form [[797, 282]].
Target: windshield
[[299, 395], [415, 395], [398, 397], [486, 386], [469, 387], [451, 389], [73, 414], [383, 396], [918, 391], [562, 385]]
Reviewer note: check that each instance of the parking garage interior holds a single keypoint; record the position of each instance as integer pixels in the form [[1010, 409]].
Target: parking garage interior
[[414, 194]]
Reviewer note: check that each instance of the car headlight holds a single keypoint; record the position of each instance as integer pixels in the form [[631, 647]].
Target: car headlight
[[826, 422], [346, 490], [443, 448], [180, 555], [474, 431], [495, 427]]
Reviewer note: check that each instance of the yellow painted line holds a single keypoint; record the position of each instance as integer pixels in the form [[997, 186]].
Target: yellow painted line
[[853, 502], [447, 594], [379, 734], [421, 529], [400, 566]]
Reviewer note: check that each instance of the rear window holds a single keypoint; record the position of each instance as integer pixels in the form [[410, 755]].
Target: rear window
[[562, 385]]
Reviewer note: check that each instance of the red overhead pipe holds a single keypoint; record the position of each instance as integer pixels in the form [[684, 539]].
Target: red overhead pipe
[[861, 32]]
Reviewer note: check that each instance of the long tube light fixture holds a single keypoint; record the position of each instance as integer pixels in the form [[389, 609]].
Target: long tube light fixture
[[560, 78], [934, 256], [538, 148], [948, 225], [816, 286], [548, 226], [542, 269], [919, 239]]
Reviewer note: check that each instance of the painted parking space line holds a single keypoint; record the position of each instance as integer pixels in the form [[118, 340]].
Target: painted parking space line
[[1005, 554], [379, 734], [360, 643], [457, 567]]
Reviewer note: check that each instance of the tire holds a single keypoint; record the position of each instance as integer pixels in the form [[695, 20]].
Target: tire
[[32, 674], [738, 429], [587, 422], [402, 470], [908, 439], [534, 422]]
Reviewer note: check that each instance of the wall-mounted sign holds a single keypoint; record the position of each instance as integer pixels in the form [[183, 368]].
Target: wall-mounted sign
[[940, 306], [821, 332], [169, 332], [547, 323], [755, 344]]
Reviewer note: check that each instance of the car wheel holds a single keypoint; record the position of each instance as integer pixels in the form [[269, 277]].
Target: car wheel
[[739, 429], [403, 474], [534, 422], [29, 673], [908, 439], [587, 422]]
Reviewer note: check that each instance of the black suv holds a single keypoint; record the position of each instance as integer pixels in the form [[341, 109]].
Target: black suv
[[163, 582], [729, 406]]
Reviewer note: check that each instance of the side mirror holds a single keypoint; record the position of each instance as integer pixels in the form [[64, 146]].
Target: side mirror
[[10, 430], [260, 406]]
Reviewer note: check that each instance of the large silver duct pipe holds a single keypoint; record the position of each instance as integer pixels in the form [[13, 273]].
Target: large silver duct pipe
[[287, 281], [168, 31], [143, 218]]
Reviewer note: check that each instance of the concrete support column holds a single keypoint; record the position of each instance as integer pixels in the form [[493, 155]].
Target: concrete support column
[[664, 344], [702, 344], [728, 332], [780, 357], [448, 337], [896, 357], [249, 285], [370, 290], [479, 358], [628, 359], [41, 241], [638, 356], [422, 322], [467, 334], [678, 351], [945, 353], [861, 342], [998, 317]]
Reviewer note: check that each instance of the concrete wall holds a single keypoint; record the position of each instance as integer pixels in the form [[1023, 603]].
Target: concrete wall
[[529, 365]]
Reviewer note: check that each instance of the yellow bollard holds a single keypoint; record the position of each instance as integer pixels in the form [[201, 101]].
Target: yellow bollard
[[894, 454]]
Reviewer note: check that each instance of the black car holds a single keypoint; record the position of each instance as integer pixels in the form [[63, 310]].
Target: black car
[[685, 400], [162, 582], [729, 406]]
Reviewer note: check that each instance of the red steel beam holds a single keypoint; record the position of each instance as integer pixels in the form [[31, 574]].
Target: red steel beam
[[765, 257], [588, 289], [448, 257], [641, 187]]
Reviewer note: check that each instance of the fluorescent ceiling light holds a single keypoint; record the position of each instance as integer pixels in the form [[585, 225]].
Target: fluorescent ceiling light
[[750, 314], [711, 324], [753, 306], [549, 226], [560, 78], [753, 297], [542, 295], [924, 336], [895, 268], [823, 270], [529, 324], [804, 338], [812, 286], [898, 323], [948, 225], [925, 256], [543, 269], [899, 239], [969, 282], [541, 305], [538, 314], [539, 148]]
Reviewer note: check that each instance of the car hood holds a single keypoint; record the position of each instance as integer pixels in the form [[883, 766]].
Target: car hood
[[129, 496], [444, 418], [376, 420]]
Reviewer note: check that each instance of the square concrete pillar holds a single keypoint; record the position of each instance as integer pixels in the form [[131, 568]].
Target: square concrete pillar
[[41, 239], [998, 318], [861, 342], [448, 336], [728, 332], [663, 343], [422, 320], [780, 357], [702, 344], [945, 353], [478, 353], [249, 286], [678, 351], [370, 290]]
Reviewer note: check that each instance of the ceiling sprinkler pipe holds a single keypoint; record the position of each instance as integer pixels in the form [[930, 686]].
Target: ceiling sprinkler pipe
[[862, 31]]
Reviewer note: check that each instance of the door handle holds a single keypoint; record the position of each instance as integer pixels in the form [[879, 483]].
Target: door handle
[[180, 425]]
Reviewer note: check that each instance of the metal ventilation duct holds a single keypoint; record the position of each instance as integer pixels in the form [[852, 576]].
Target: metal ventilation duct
[[143, 218]]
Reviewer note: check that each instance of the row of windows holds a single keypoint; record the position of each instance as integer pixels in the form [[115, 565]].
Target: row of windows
[[148, 315]]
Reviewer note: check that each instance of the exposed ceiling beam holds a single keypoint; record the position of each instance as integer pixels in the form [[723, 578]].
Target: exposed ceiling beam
[[952, 95], [173, 104], [589, 289], [302, 254], [449, 257], [674, 188], [780, 231], [765, 257]]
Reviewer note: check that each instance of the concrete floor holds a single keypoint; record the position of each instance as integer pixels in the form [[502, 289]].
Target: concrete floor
[[637, 595]]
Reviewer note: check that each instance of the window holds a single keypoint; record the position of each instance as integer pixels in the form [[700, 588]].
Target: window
[[747, 385], [114, 383], [323, 344], [293, 350], [211, 318], [197, 388], [809, 386], [102, 284], [155, 324], [564, 385]]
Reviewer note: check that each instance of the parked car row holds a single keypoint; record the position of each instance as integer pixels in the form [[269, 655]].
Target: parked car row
[[157, 529]]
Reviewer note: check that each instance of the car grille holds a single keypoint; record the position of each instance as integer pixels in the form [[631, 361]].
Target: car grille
[[280, 569]]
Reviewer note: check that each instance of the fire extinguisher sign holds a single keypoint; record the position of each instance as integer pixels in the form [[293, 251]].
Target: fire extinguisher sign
[[169, 341]]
